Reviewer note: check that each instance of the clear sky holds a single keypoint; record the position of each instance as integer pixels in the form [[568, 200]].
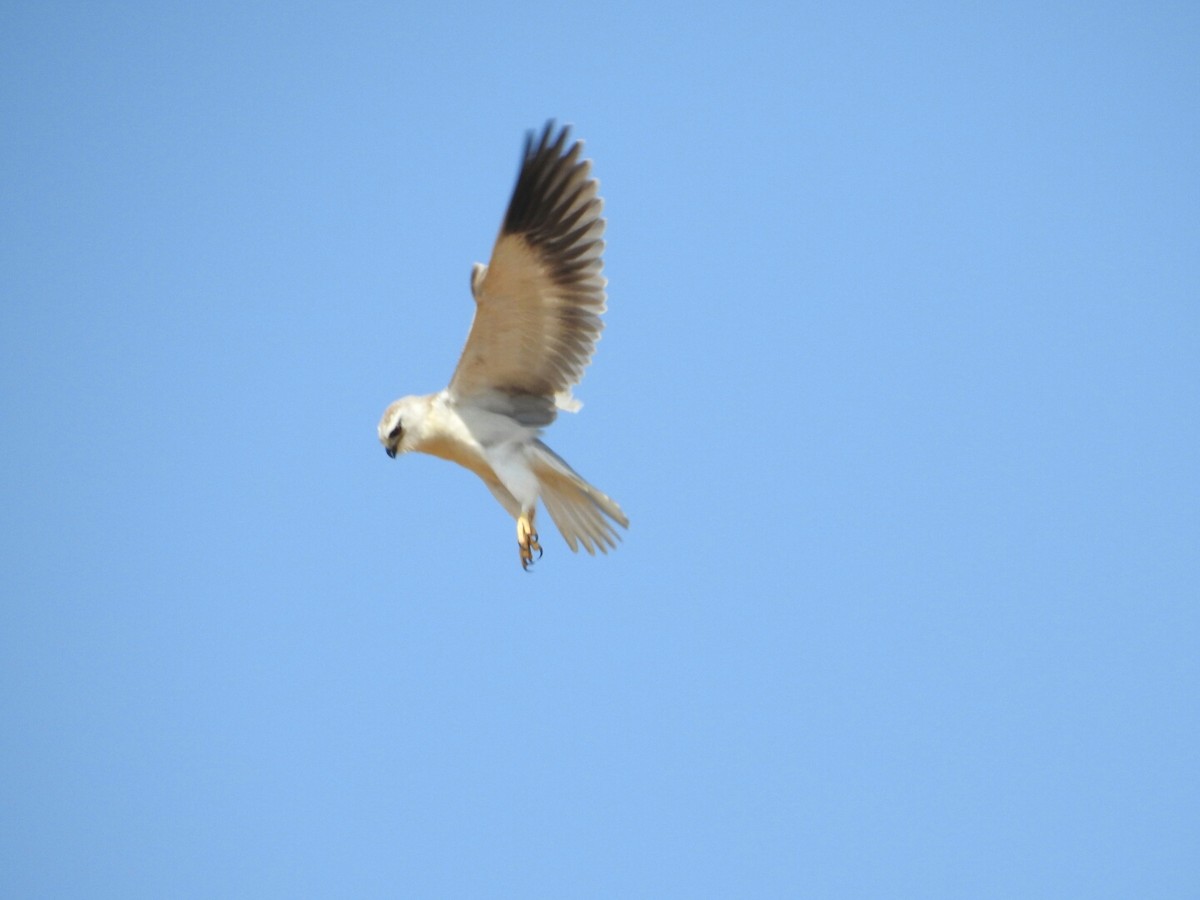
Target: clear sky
[[900, 389]]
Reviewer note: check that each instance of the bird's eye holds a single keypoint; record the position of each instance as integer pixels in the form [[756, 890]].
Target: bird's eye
[[395, 432]]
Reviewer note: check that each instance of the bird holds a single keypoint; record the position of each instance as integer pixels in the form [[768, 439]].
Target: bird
[[538, 304]]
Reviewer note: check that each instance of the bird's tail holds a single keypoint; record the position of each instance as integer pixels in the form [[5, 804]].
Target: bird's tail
[[578, 509]]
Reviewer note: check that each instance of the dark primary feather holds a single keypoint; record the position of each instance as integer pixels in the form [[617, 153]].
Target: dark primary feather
[[550, 183]]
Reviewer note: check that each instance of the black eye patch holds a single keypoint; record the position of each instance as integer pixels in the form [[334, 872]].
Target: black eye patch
[[395, 432]]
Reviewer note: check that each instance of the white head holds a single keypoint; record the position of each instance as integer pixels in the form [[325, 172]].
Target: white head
[[399, 422]]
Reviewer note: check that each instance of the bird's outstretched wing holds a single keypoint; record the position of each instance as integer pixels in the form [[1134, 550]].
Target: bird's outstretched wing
[[538, 302]]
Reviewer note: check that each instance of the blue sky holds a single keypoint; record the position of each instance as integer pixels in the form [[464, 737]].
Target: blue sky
[[899, 389]]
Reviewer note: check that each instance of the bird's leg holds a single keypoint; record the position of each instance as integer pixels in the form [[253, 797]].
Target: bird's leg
[[527, 540]]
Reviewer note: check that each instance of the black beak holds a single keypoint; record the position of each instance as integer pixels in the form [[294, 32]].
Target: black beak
[[391, 452]]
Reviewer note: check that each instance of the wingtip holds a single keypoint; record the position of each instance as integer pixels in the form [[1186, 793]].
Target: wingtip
[[553, 138]]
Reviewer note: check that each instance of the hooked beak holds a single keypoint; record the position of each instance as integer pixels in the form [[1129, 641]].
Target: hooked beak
[[391, 451]]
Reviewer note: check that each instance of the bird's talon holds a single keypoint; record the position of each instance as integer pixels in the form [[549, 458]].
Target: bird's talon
[[527, 542], [527, 559]]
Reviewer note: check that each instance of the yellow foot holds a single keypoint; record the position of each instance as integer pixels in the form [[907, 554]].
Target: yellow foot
[[527, 541]]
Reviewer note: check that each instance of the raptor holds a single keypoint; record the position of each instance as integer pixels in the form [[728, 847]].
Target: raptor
[[538, 304]]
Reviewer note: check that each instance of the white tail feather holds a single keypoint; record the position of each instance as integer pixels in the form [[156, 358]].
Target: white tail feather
[[578, 509]]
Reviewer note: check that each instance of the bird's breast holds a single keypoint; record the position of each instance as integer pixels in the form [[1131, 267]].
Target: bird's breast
[[460, 449]]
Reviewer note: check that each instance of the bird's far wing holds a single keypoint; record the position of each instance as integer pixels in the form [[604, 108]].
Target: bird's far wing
[[538, 302]]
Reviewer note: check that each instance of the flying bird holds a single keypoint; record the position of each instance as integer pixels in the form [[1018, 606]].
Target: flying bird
[[537, 319]]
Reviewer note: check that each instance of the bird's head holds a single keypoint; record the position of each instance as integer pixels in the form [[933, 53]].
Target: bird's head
[[395, 425]]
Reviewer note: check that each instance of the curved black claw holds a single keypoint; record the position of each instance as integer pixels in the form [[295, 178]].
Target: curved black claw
[[527, 557]]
